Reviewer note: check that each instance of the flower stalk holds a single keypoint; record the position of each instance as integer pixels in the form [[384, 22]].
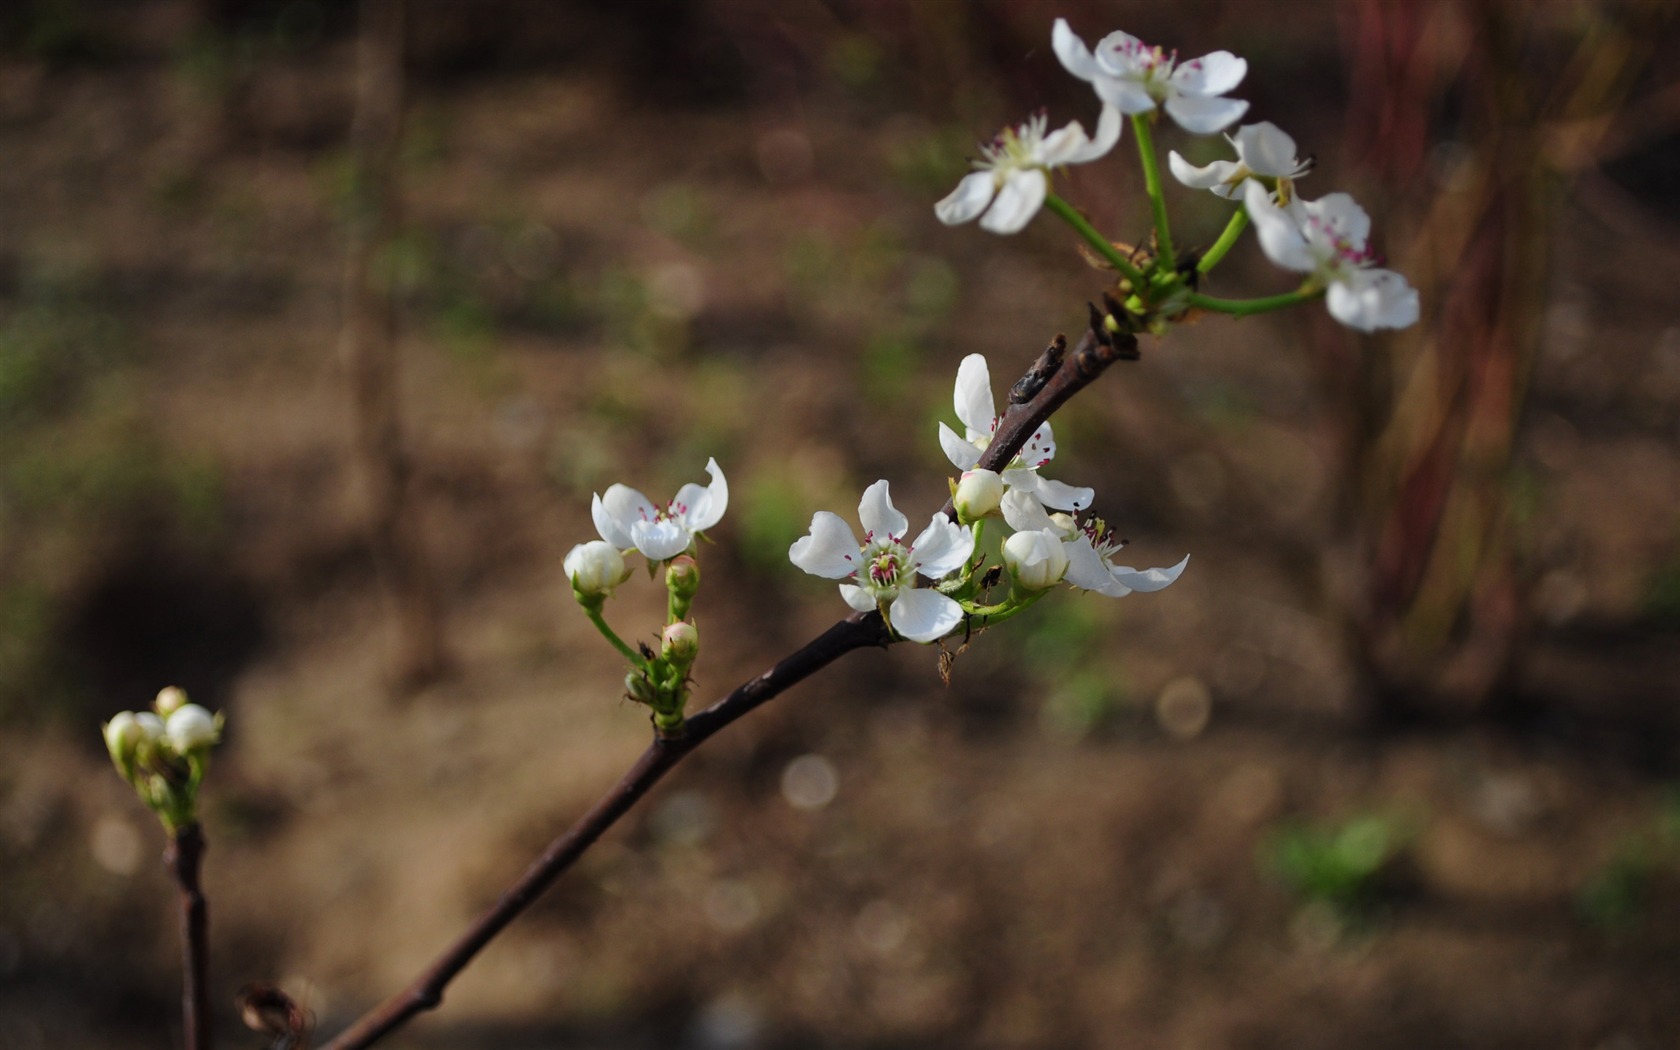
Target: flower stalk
[[1165, 257], [1229, 236]]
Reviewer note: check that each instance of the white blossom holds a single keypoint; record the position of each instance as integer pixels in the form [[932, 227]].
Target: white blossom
[[1328, 239], [975, 408], [629, 520], [1012, 175], [882, 569], [1090, 549], [1134, 78], [1263, 151]]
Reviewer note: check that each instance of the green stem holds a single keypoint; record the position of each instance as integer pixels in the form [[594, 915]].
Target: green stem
[[1233, 230], [1004, 610], [1164, 254], [1069, 215], [1246, 307], [635, 658]]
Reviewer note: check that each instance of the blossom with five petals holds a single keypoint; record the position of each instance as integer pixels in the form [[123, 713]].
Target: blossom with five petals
[[1090, 549], [1135, 78], [627, 519], [1263, 150], [883, 568], [1328, 239], [1012, 176], [977, 411]]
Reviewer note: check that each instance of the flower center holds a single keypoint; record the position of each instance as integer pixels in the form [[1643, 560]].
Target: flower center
[[1344, 250], [1102, 538], [885, 565], [1016, 146]]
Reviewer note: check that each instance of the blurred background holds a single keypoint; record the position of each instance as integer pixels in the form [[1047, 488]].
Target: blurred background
[[319, 325]]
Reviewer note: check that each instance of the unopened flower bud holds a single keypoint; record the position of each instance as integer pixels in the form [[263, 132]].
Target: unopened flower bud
[[978, 495], [151, 727], [1064, 522], [1035, 559], [123, 736], [682, 576], [170, 698], [595, 568], [680, 643], [191, 728]]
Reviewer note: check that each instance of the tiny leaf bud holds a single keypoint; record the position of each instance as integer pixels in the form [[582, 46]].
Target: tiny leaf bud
[[978, 495], [1035, 559], [638, 688], [595, 568]]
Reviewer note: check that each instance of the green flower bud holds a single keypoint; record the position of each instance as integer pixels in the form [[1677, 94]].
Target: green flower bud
[[680, 643]]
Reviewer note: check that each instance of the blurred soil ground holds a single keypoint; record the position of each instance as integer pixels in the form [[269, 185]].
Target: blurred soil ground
[[630, 244]]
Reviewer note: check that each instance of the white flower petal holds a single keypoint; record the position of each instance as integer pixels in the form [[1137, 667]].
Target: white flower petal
[[1070, 146], [701, 517], [829, 550], [1147, 580], [1113, 54], [880, 518], [1072, 52], [968, 200], [923, 615], [1017, 202], [1266, 149], [1204, 116], [1210, 177], [1023, 511], [962, 454], [1340, 214], [1280, 237], [1087, 570], [1062, 496], [1212, 74], [973, 395], [1372, 299], [659, 540], [1127, 96], [942, 548], [608, 525], [857, 597]]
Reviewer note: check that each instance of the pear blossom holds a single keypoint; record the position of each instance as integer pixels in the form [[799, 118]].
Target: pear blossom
[[1090, 548], [1012, 174], [629, 520], [1263, 151], [1134, 78], [1035, 559], [882, 570], [978, 413], [1328, 239]]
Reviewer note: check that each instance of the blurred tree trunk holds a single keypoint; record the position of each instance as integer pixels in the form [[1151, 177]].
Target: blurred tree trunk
[[1439, 607], [370, 347]]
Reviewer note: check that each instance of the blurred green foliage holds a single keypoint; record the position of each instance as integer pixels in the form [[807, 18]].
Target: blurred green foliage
[[1620, 893], [1348, 866]]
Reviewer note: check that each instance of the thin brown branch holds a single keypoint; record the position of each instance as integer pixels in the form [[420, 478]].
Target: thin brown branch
[[183, 857], [1055, 378]]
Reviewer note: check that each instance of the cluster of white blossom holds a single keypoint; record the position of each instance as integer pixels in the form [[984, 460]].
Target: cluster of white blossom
[[1327, 239], [1044, 549]]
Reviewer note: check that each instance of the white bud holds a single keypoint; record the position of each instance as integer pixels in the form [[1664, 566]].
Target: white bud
[[978, 495], [151, 727], [595, 568], [1064, 523], [1035, 559], [170, 698], [191, 728], [122, 739]]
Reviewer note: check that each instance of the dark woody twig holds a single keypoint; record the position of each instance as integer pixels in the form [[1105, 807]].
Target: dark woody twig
[[182, 858], [1055, 378]]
